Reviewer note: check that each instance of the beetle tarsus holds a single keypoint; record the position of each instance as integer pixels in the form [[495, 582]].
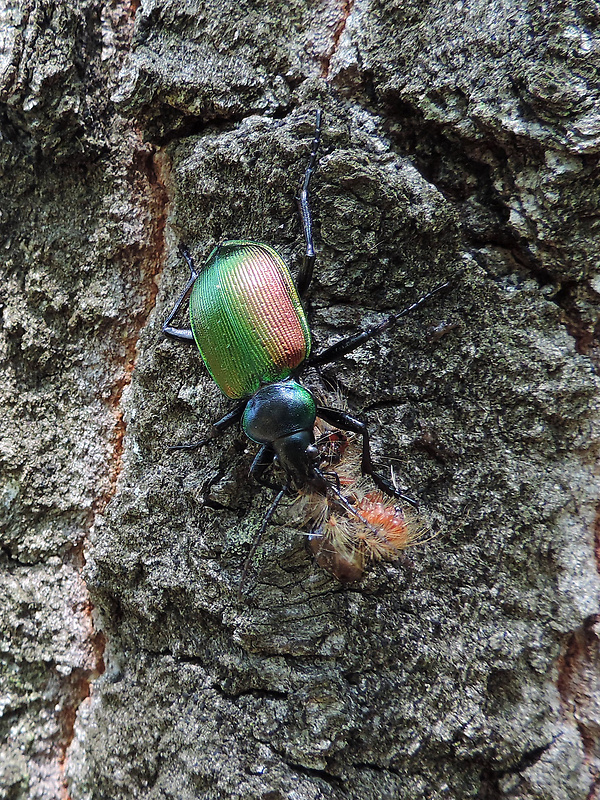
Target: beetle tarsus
[[388, 488], [346, 422], [181, 334], [218, 427], [189, 259]]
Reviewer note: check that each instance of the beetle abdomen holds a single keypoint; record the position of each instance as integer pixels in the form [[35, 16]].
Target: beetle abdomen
[[247, 318]]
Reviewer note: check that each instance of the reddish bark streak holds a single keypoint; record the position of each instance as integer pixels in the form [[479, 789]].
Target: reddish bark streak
[[577, 684], [346, 10], [150, 198], [597, 537], [145, 262], [150, 195]]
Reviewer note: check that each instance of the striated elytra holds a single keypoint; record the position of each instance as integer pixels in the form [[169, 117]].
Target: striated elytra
[[247, 318]]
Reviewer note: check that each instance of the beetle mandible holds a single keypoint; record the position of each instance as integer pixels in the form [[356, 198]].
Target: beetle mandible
[[247, 320]]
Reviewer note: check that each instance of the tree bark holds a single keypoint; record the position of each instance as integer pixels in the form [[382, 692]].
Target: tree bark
[[459, 143]]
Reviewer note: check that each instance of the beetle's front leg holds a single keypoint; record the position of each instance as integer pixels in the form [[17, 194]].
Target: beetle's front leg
[[347, 423], [218, 427], [262, 462], [181, 334]]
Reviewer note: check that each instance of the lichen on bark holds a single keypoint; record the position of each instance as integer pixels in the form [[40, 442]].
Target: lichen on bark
[[459, 143]]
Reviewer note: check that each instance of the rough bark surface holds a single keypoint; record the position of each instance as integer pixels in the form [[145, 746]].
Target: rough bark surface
[[460, 142]]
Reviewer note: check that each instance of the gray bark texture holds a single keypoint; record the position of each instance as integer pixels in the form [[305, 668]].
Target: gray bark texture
[[460, 142]]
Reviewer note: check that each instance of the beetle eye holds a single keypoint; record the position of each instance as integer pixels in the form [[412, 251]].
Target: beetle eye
[[312, 452]]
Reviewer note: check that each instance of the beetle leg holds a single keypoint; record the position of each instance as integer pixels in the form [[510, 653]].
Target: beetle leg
[[182, 334], [218, 428], [262, 462], [347, 423], [346, 346], [258, 538], [308, 263]]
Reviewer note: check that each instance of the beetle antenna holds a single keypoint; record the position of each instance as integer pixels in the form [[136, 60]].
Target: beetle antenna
[[258, 539]]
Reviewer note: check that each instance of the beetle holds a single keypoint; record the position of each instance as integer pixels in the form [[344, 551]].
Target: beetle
[[247, 320]]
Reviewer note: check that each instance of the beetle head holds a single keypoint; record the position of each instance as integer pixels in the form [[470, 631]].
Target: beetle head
[[298, 456]]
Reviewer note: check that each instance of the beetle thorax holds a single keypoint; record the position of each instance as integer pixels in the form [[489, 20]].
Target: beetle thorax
[[282, 416]]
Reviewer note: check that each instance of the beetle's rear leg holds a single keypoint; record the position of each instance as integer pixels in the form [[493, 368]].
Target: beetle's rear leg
[[218, 427], [308, 263], [346, 346], [347, 423], [182, 334]]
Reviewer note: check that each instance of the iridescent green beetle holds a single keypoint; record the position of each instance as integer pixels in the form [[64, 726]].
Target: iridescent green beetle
[[251, 330], [247, 318]]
